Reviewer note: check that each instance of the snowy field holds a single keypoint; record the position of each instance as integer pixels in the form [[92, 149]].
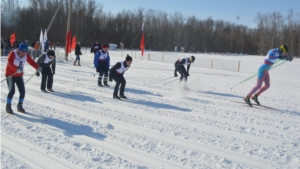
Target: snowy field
[[160, 126]]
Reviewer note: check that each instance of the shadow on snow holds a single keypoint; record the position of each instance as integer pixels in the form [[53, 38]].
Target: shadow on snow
[[137, 91], [158, 105], [69, 129]]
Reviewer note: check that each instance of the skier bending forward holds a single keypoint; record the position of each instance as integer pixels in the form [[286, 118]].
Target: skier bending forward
[[263, 73], [116, 73], [179, 66]]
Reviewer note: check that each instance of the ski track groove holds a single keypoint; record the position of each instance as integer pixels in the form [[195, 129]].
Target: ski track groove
[[20, 149]]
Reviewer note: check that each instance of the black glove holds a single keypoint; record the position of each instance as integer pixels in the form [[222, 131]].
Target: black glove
[[175, 75], [289, 58], [187, 74], [37, 73]]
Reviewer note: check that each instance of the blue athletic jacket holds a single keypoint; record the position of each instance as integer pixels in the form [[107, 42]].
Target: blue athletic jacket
[[105, 60]]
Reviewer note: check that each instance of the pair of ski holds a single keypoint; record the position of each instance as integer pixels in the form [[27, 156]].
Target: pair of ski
[[257, 106]]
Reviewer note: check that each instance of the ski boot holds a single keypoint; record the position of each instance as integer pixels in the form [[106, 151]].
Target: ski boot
[[50, 90], [116, 97], [122, 96], [255, 98], [247, 100], [20, 108], [8, 109], [100, 84], [105, 84], [175, 75], [43, 90]]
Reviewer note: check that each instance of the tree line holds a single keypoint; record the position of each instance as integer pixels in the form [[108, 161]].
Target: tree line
[[163, 31]]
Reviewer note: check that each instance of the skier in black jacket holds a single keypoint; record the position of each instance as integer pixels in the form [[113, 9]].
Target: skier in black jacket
[[116, 74], [45, 61], [77, 53], [179, 66], [96, 47]]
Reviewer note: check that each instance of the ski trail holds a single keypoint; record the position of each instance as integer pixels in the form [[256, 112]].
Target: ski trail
[[35, 157]]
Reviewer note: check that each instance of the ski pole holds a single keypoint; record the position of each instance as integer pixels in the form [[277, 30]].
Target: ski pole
[[170, 81], [278, 65], [30, 77], [161, 80], [8, 77], [257, 73]]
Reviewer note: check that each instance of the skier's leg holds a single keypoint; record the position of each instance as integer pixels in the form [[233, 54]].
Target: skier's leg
[[179, 68], [101, 72], [105, 77], [44, 78], [123, 84], [255, 88], [175, 72], [117, 80], [50, 79], [267, 84], [11, 89], [21, 87]]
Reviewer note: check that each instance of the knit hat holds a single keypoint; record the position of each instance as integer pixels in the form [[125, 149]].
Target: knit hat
[[128, 58], [192, 58], [283, 48], [23, 47], [105, 46], [50, 52]]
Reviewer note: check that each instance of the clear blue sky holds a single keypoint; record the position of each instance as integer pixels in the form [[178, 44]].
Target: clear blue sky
[[218, 9]]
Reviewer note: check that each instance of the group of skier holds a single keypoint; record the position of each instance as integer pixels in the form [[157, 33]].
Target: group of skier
[[47, 62], [16, 61]]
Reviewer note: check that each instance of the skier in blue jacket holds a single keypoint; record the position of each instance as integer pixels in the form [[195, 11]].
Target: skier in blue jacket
[[101, 63]]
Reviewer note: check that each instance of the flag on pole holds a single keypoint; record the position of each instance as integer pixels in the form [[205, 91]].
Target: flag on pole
[[42, 40], [45, 36], [73, 43], [68, 40], [12, 39], [142, 45]]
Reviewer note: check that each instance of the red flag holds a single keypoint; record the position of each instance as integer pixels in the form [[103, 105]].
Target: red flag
[[73, 43], [12, 39], [68, 42], [142, 46]]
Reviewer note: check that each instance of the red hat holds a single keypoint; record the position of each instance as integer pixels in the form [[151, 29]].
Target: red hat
[[105, 46]]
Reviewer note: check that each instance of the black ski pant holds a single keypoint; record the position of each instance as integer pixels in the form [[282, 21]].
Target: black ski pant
[[120, 80], [103, 70], [11, 87], [181, 69], [47, 75], [176, 63]]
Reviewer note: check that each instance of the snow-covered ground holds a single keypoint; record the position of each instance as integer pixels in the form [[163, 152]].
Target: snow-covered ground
[[160, 126]]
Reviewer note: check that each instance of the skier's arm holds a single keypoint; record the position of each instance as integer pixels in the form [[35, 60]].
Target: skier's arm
[[108, 61], [31, 62], [96, 56], [10, 61], [41, 59], [188, 68], [54, 65]]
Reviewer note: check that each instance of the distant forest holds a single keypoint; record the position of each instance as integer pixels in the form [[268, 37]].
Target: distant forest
[[163, 31]]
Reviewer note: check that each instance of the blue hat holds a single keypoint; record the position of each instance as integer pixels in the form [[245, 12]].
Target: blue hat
[[23, 47]]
